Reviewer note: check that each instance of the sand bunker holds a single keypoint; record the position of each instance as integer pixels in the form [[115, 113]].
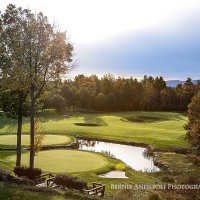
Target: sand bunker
[[114, 174]]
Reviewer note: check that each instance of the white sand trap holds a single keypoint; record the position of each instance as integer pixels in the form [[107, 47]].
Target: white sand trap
[[65, 115], [114, 174]]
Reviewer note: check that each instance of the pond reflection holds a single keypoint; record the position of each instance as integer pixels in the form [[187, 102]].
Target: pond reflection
[[137, 158]]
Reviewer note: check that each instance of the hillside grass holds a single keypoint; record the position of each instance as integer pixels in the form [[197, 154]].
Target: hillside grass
[[11, 192], [163, 130], [181, 163]]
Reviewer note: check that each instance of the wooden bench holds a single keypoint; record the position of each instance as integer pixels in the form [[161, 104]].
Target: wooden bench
[[97, 189]]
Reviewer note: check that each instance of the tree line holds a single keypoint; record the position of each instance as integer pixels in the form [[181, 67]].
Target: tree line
[[91, 93]]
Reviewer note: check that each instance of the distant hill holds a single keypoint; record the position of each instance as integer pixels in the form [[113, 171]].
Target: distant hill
[[174, 83]]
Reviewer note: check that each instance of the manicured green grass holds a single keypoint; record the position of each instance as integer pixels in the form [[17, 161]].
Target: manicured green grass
[[65, 161], [8, 140], [163, 130]]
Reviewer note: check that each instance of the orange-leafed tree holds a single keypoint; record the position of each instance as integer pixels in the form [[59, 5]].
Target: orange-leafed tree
[[193, 125]]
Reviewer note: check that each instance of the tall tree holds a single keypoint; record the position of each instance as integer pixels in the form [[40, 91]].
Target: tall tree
[[59, 103], [148, 95], [107, 83], [87, 92], [193, 125], [38, 50], [12, 75], [188, 91], [100, 101]]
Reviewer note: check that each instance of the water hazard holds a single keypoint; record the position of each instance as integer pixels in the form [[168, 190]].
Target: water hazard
[[135, 157]]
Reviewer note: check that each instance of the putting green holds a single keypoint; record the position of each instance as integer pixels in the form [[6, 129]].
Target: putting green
[[65, 161], [48, 140]]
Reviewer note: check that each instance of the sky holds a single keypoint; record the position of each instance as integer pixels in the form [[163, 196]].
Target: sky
[[128, 37]]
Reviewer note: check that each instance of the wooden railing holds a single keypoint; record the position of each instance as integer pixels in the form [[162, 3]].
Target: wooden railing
[[97, 189], [50, 182], [44, 177], [48, 178]]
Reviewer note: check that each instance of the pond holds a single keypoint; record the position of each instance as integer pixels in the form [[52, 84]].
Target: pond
[[135, 157]]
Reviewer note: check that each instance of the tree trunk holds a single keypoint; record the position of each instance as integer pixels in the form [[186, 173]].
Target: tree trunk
[[19, 131], [89, 105], [32, 127]]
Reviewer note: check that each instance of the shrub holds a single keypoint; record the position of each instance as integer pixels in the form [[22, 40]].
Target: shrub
[[120, 166], [79, 184], [32, 173], [5, 175], [70, 182], [23, 181], [21, 171]]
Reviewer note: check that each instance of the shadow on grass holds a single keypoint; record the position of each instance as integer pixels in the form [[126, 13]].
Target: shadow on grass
[[4, 162], [89, 119], [87, 124], [144, 119], [49, 115], [153, 117], [4, 121], [10, 124], [95, 120], [5, 154]]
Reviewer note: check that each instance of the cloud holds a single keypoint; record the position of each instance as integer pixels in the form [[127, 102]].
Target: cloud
[[173, 52]]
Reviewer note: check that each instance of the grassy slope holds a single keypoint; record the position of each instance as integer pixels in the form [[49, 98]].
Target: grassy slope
[[7, 193], [161, 129], [179, 160]]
